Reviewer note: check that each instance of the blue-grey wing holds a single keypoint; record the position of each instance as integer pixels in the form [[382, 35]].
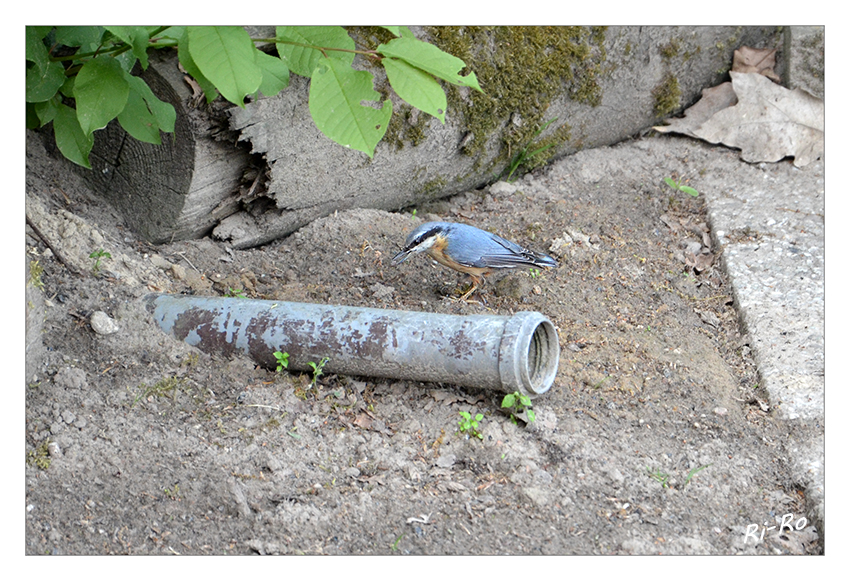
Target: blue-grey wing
[[483, 249]]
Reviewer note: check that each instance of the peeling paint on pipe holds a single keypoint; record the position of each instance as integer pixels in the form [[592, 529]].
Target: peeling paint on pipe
[[507, 354]]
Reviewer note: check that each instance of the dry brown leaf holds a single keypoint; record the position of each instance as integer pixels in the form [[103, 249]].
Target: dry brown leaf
[[443, 397], [713, 99], [756, 60], [363, 421], [768, 123]]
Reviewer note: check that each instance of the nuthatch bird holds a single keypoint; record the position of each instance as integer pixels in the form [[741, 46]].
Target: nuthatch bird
[[470, 250]]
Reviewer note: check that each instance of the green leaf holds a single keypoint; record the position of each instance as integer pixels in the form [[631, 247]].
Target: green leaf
[[671, 183], [78, 35], [275, 74], [162, 112], [70, 138], [416, 87], [39, 31], [336, 91], [43, 82], [302, 60], [67, 88], [689, 190], [227, 57], [395, 30], [46, 110], [190, 67], [137, 37], [101, 92], [430, 59], [137, 119], [509, 401], [36, 52], [172, 32], [32, 119], [43, 78]]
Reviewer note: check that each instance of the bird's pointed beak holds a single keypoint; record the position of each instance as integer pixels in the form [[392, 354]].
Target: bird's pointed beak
[[402, 256]]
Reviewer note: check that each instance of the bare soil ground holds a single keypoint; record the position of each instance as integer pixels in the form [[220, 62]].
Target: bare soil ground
[[654, 438]]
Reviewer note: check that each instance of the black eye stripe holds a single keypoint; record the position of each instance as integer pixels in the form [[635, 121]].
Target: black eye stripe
[[425, 235]]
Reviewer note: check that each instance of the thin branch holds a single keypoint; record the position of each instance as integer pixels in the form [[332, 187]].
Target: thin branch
[[59, 256]]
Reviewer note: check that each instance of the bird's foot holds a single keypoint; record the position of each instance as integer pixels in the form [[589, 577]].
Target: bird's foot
[[464, 298]]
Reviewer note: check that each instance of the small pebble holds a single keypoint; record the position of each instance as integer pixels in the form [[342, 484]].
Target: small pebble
[[502, 188], [102, 324], [178, 271]]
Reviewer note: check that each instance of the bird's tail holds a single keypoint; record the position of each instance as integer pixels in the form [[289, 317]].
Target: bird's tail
[[543, 260]]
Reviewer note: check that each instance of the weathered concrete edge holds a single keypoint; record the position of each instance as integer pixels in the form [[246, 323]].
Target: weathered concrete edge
[[801, 393]]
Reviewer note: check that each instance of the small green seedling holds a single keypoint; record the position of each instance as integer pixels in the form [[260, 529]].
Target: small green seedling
[[523, 156], [660, 476], [317, 369], [467, 423], [237, 293], [518, 403], [173, 494], [681, 187], [693, 473], [535, 272], [394, 546], [413, 214], [98, 255], [282, 360]]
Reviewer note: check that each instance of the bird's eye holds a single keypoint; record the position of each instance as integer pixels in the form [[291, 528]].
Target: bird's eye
[[426, 235]]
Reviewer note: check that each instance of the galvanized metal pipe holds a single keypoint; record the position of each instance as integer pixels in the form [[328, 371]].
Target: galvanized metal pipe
[[507, 354]]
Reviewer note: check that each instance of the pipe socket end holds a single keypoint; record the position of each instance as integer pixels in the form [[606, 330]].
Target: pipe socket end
[[529, 354]]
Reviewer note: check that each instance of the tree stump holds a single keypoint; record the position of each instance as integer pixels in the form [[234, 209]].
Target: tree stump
[[600, 86]]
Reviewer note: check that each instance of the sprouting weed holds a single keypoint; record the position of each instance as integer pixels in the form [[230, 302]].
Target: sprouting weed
[[518, 403], [467, 423]]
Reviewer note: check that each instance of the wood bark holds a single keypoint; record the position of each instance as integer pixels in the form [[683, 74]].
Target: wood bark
[[196, 182]]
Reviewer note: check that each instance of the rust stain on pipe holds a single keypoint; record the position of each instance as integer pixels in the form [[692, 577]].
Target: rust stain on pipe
[[513, 353]]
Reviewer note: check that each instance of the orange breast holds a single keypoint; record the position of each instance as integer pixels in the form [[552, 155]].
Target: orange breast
[[438, 253]]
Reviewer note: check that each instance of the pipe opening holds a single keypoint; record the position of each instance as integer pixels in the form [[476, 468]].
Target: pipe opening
[[543, 352]]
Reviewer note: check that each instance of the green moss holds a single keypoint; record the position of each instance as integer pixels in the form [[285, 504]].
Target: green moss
[[671, 49], [521, 70], [166, 387], [434, 186], [678, 50], [731, 41], [369, 37], [36, 270], [667, 96], [692, 53], [406, 125], [40, 456]]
